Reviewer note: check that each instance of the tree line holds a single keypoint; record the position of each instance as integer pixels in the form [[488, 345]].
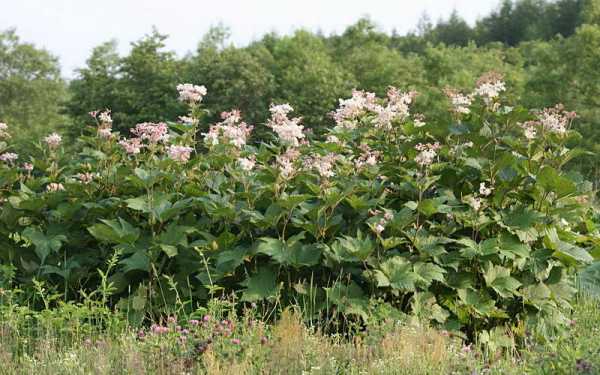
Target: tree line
[[548, 52]]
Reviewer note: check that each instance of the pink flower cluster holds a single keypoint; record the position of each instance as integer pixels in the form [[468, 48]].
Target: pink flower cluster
[[361, 102], [232, 130], [368, 157], [460, 102], [9, 157], [53, 141], [152, 132], [179, 153], [131, 146], [104, 123], [322, 164], [285, 162], [289, 131], [350, 109], [189, 93]]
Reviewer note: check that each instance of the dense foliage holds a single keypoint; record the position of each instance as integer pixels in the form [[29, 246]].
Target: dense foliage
[[465, 217]]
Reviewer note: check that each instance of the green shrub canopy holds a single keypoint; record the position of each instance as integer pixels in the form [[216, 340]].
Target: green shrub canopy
[[466, 219]]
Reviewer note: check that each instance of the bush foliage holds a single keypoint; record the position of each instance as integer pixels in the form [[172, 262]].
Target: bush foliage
[[466, 218]]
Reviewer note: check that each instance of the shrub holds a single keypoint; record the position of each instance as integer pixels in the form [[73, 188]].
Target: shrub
[[467, 219]]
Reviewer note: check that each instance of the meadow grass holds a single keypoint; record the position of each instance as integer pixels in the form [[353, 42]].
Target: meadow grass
[[89, 339]]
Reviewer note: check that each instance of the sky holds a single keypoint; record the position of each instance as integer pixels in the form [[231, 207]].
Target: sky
[[70, 29]]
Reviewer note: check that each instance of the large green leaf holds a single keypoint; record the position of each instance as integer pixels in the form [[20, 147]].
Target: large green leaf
[[261, 285], [44, 244], [118, 232]]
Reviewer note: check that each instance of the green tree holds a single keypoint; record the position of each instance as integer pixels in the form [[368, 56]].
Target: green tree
[[31, 88]]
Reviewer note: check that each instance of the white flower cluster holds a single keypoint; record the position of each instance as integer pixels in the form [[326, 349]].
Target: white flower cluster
[[131, 146], [232, 129], [460, 102], [367, 157], [490, 90], [379, 227], [530, 129], [4, 134], [285, 163], [289, 131], [53, 141], [322, 164], [484, 190], [179, 153], [556, 120], [427, 153], [189, 93], [350, 109], [9, 157], [476, 201], [105, 125], [361, 102], [247, 164], [152, 132]]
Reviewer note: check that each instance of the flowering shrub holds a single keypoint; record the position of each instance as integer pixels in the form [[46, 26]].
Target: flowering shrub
[[472, 224]]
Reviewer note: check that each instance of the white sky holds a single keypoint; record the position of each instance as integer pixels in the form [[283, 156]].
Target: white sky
[[71, 28]]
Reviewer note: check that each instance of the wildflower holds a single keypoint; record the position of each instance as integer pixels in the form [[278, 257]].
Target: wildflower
[[236, 341], [427, 153], [131, 146], [367, 158], [483, 190], [54, 187], [9, 157], [322, 164], [350, 109], [179, 153], [489, 86], [53, 140], [152, 132], [194, 322], [231, 129], [105, 118], [332, 139], [460, 102], [379, 228], [172, 320], [247, 164], [475, 202], [206, 318], [28, 167], [94, 114], [288, 130], [285, 162], [190, 93], [556, 120], [85, 178], [4, 134]]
